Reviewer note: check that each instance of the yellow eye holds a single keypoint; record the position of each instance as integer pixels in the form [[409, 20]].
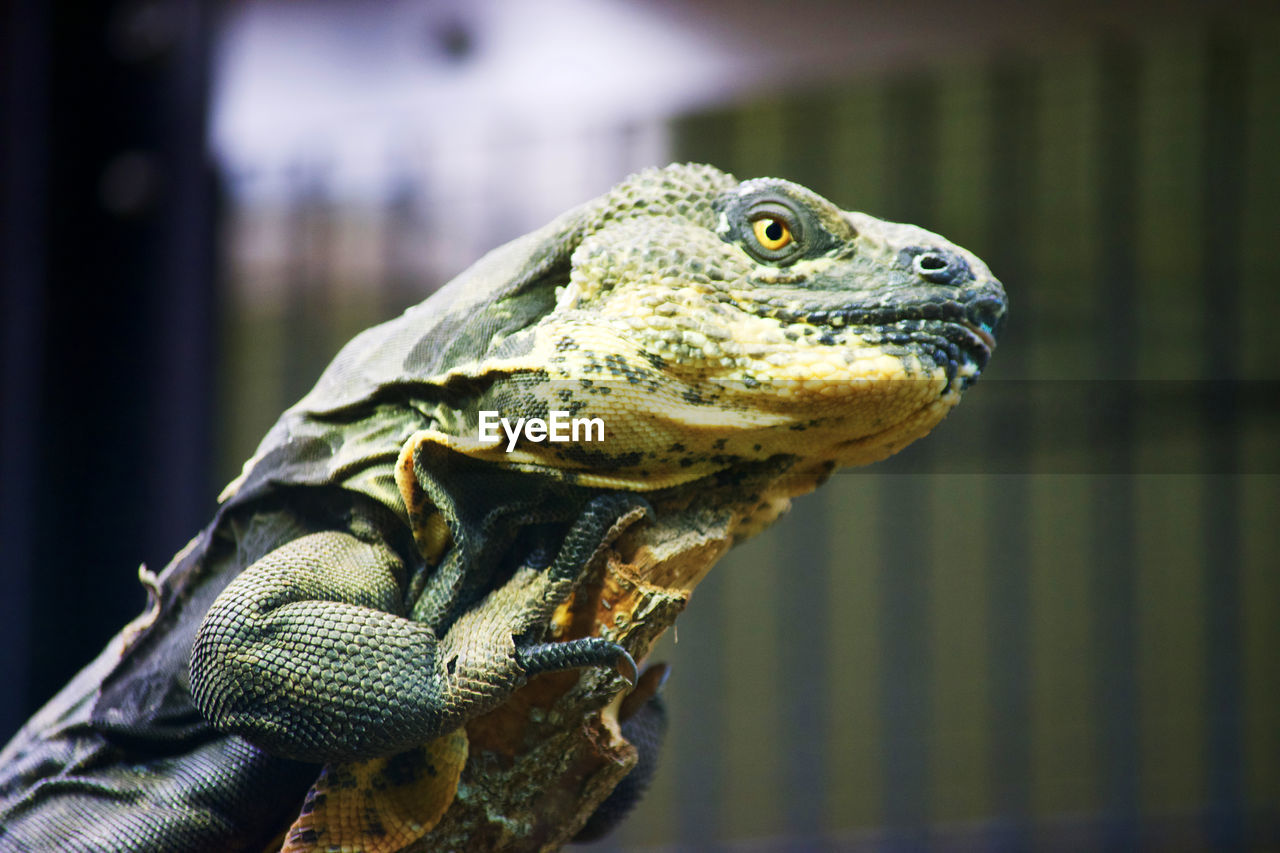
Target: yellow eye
[[772, 234]]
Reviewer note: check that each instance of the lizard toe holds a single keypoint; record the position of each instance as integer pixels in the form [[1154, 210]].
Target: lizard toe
[[573, 654]]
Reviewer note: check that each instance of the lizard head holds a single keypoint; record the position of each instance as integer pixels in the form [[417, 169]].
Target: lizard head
[[708, 321]]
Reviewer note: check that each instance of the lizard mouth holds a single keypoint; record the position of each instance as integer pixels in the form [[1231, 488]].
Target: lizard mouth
[[983, 319], [957, 336]]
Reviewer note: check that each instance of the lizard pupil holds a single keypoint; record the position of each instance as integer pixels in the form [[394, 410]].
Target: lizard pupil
[[774, 231]]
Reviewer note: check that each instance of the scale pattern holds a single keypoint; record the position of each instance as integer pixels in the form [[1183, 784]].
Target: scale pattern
[[379, 575]]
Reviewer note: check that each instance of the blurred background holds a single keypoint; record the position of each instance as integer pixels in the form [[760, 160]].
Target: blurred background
[[1054, 624]]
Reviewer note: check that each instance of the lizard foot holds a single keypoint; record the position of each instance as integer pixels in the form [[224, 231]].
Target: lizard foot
[[601, 521], [493, 648]]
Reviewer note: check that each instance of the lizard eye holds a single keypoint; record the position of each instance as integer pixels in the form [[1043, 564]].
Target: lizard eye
[[772, 234], [775, 232]]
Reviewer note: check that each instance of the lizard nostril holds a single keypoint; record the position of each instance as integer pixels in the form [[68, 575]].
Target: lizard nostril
[[940, 267]]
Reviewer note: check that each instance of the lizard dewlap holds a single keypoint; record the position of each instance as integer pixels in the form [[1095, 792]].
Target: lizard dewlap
[[452, 511]]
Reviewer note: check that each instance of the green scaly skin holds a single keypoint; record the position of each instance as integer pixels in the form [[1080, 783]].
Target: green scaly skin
[[324, 617]]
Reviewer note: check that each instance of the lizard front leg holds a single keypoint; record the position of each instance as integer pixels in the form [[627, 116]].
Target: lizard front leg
[[307, 654], [507, 626]]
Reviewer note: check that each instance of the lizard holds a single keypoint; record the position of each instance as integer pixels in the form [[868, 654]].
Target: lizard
[[389, 608]]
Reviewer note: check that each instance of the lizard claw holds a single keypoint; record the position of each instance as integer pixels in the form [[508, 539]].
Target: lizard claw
[[572, 654], [650, 684]]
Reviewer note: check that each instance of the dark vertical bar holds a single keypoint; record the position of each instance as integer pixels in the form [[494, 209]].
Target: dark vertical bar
[[805, 703], [182, 495], [808, 158], [402, 286], [1114, 552], [697, 690], [907, 703], [1012, 170], [1224, 129], [905, 520], [22, 245], [308, 296], [122, 409]]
